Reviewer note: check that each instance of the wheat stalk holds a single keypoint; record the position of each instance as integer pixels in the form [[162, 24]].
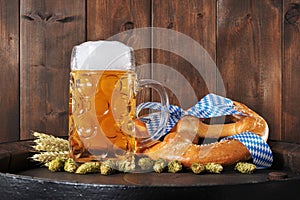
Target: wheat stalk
[[45, 157], [50, 143], [49, 148]]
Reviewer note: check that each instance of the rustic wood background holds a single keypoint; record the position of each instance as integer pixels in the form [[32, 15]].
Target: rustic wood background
[[254, 43]]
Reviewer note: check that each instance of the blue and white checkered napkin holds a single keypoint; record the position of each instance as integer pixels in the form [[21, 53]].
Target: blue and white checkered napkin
[[211, 106], [260, 151]]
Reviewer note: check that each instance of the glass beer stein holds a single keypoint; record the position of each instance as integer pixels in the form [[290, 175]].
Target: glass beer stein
[[102, 116]]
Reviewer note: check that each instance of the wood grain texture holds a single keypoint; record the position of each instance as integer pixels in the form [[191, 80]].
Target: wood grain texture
[[254, 44], [9, 76], [49, 30], [249, 56], [196, 20], [118, 20], [291, 71]]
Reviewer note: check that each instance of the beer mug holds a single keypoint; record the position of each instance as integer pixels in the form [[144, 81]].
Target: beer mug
[[103, 89]]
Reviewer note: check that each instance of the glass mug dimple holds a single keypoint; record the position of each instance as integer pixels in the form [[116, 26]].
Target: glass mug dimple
[[102, 106]]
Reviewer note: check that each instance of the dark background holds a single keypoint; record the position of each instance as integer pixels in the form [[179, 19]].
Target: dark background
[[254, 43]]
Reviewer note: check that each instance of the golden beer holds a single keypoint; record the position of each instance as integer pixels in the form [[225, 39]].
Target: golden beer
[[102, 104], [102, 114]]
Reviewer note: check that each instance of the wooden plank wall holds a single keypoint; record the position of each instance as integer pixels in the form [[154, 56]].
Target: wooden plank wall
[[49, 29], [249, 48], [9, 76], [291, 71], [254, 43]]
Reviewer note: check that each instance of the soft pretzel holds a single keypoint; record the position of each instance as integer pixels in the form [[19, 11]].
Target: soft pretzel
[[251, 121], [182, 141]]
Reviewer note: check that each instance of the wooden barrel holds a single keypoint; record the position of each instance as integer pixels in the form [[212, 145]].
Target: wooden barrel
[[20, 178]]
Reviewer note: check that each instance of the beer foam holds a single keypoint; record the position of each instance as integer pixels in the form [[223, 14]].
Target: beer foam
[[102, 55]]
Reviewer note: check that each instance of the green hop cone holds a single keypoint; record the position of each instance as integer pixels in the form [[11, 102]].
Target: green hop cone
[[197, 168], [160, 165], [245, 168], [146, 163], [214, 168], [174, 166], [56, 165], [70, 165], [107, 167], [126, 165], [88, 167]]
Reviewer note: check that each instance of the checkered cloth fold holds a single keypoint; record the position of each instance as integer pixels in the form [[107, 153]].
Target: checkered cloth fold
[[260, 151], [210, 106]]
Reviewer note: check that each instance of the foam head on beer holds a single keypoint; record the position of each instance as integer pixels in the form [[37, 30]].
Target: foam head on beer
[[95, 55]]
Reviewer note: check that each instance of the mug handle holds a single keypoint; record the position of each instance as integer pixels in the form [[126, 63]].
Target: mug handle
[[164, 111]]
